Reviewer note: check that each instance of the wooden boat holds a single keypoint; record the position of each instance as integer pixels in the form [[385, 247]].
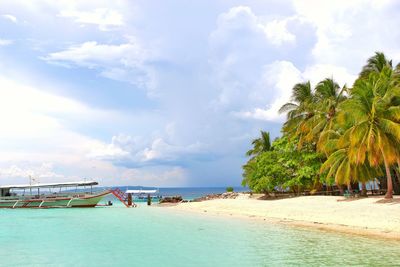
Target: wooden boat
[[50, 195]]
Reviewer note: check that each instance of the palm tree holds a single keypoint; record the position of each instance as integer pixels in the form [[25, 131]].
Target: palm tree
[[339, 165], [375, 134], [300, 112], [260, 144], [376, 63], [328, 95]]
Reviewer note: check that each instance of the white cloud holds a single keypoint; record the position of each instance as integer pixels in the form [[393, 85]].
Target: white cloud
[[279, 77], [106, 19], [10, 18], [243, 18], [253, 79], [171, 176], [106, 151], [238, 17], [119, 148], [349, 32], [91, 54], [38, 172], [34, 136], [318, 72], [161, 150], [278, 33], [27, 111], [36, 141], [236, 69], [100, 171], [256, 87], [4, 42], [137, 151], [123, 62]]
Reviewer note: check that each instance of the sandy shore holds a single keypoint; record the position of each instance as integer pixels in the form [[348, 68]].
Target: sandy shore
[[370, 216]]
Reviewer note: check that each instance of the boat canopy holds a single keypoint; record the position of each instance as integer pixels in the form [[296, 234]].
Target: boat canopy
[[140, 191], [50, 185]]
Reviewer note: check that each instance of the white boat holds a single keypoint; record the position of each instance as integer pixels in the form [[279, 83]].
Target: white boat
[[50, 195], [143, 194]]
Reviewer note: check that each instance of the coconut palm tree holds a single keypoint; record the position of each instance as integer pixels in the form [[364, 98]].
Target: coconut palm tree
[[328, 95], [261, 144], [345, 172], [339, 165], [375, 134], [300, 112], [376, 63]]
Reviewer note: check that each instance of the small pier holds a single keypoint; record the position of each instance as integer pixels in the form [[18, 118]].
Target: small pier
[[125, 198], [128, 197]]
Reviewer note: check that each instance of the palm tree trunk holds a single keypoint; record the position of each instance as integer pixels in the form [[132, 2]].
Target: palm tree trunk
[[398, 168], [389, 192]]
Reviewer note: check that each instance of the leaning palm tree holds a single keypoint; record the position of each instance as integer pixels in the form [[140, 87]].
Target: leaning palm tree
[[261, 144], [376, 64], [375, 134]]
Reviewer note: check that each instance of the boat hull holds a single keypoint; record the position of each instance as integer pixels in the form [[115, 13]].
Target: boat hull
[[73, 201]]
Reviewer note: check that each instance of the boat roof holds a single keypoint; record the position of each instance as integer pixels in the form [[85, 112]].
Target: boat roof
[[50, 185], [141, 191]]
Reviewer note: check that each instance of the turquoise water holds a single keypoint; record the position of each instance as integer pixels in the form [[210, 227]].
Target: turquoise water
[[154, 236], [187, 192]]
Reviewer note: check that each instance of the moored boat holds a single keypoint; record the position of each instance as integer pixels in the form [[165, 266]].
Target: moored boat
[[142, 195], [50, 195]]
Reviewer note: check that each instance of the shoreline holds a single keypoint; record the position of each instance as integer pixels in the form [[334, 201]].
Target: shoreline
[[370, 217]]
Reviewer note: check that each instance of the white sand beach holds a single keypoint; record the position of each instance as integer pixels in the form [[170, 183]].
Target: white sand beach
[[371, 216]]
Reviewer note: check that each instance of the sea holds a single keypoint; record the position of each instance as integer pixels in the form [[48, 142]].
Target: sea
[[158, 236], [187, 193]]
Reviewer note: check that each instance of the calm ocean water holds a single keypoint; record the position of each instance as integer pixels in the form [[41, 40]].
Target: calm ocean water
[[156, 236], [187, 192]]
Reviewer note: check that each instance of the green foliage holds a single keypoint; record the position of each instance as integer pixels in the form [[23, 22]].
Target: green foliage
[[260, 144], [283, 168], [333, 134], [229, 189]]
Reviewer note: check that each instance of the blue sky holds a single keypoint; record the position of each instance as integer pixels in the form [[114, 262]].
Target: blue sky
[[166, 93]]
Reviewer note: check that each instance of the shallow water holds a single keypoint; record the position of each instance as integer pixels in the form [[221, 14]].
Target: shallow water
[[154, 236]]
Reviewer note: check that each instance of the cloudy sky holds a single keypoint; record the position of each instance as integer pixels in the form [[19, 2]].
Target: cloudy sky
[[166, 92]]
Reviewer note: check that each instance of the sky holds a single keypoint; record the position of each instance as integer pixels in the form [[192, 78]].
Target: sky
[[166, 92]]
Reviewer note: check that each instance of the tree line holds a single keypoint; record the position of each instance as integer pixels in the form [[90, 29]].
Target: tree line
[[334, 135]]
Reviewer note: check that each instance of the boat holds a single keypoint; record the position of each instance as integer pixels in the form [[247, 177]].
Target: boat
[[50, 195], [141, 195]]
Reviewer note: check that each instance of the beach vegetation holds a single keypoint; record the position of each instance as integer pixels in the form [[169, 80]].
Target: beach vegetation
[[334, 135], [284, 168], [260, 144]]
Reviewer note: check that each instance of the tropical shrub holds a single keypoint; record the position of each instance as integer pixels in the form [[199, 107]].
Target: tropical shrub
[[229, 189]]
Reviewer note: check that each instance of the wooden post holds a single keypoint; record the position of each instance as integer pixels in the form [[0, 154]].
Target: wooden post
[[148, 200], [129, 199]]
